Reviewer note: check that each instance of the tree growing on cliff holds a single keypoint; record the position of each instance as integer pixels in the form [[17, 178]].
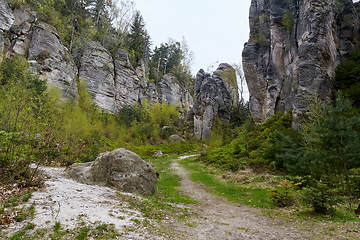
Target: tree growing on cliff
[[138, 41]]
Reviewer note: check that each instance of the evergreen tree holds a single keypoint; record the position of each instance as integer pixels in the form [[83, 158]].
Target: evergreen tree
[[138, 40]]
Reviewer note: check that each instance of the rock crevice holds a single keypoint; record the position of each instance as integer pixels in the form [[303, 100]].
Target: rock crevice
[[293, 50]]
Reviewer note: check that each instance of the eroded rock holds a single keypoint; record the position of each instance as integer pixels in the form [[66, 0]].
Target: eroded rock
[[6, 16], [121, 169], [214, 98], [97, 70], [293, 50], [51, 59]]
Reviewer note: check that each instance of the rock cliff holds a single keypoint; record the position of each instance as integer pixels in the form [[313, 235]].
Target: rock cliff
[[215, 96], [110, 78], [293, 50]]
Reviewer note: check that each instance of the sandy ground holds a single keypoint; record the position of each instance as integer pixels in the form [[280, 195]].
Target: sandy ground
[[69, 202]]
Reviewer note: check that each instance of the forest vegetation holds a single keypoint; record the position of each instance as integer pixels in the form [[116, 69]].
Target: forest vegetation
[[319, 162]]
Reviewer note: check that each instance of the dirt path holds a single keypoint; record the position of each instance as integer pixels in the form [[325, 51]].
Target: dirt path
[[223, 220]]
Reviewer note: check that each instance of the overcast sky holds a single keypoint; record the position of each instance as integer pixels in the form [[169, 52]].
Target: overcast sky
[[215, 30]]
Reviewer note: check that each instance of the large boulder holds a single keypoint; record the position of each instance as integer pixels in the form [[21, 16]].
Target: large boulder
[[293, 50], [121, 169], [214, 98]]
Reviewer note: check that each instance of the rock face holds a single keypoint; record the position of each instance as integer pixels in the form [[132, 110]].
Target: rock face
[[215, 95], [121, 169], [293, 50], [170, 91], [110, 78], [6, 16], [51, 59], [97, 69], [40, 44]]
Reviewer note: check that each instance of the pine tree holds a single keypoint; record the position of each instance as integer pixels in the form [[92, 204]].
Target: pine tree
[[138, 40]]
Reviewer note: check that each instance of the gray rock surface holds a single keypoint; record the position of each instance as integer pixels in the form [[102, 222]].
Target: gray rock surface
[[6, 16], [97, 70], [51, 59], [293, 50], [121, 169], [40, 44], [213, 99], [171, 92], [111, 80], [176, 138], [128, 85]]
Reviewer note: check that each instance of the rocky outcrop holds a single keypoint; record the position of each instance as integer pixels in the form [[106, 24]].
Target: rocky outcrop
[[6, 16], [40, 44], [293, 50], [51, 59], [121, 169], [114, 83], [171, 92], [214, 98], [96, 68], [128, 86], [111, 80]]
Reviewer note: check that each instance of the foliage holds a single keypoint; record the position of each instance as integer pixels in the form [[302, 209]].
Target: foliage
[[253, 145], [37, 126], [282, 194], [288, 21], [347, 78], [138, 41], [322, 197]]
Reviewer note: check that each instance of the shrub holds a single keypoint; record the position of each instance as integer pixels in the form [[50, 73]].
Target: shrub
[[323, 197], [288, 21], [282, 195], [347, 78]]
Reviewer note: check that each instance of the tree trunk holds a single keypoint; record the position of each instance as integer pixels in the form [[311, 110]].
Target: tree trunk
[[357, 211]]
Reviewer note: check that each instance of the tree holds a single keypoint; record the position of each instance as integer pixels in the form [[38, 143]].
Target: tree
[[122, 17], [241, 77], [138, 40]]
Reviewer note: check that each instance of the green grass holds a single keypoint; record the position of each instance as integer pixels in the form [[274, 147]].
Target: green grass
[[256, 197], [161, 205], [168, 182]]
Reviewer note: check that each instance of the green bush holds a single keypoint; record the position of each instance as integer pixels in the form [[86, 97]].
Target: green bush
[[282, 196], [347, 78], [288, 21], [323, 197], [37, 126]]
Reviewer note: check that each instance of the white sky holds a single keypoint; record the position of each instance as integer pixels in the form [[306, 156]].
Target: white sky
[[215, 30]]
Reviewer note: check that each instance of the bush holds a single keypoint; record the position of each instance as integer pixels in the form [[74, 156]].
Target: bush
[[347, 78], [288, 21], [282, 195], [323, 197]]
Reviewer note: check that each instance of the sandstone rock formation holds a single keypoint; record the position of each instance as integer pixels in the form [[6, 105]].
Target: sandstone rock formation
[[41, 44], [111, 80], [293, 50], [97, 69], [215, 95], [171, 91], [51, 59], [121, 169]]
